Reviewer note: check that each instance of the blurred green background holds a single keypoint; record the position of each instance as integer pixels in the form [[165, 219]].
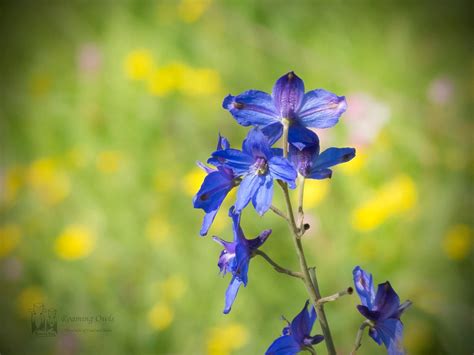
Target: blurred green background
[[106, 106]]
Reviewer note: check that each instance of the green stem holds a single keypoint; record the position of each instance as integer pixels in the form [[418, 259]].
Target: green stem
[[360, 333], [278, 267]]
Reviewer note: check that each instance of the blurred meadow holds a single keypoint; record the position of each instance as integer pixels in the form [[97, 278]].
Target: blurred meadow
[[107, 105]]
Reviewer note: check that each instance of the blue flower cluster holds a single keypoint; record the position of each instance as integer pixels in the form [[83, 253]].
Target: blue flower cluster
[[290, 113]]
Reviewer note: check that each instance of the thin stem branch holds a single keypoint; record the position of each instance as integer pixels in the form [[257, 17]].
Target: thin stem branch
[[311, 350], [347, 291], [300, 203], [360, 333], [278, 267], [321, 314], [279, 212]]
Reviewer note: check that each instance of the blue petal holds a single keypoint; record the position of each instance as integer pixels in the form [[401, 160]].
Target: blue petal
[[256, 144], [236, 160], [390, 332], [284, 345], [214, 189], [273, 132], [302, 159], [288, 94], [207, 222], [301, 136], [333, 156], [262, 200], [364, 286], [281, 168], [302, 324], [238, 232], [252, 107], [204, 167], [321, 109], [402, 308], [257, 242], [369, 314], [320, 174], [231, 293], [242, 259], [222, 143], [386, 300], [248, 187]]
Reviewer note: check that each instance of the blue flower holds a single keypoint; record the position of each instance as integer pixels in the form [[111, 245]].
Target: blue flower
[[312, 165], [257, 165], [288, 101], [236, 256], [382, 309], [296, 336], [215, 187]]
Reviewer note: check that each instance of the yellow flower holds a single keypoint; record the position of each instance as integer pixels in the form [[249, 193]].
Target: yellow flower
[[157, 230], [108, 162], [201, 82], [397, 196], [27, 298], [314, 192], [12, 184], [75, 242], [167, 79], [223, 340], [191, 10], [458, 242], [138, 64], [10, 236], [160, 316], [193, 180], [173, 288], [50, 183]]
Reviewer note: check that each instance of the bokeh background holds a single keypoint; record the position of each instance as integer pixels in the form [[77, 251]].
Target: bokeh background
[[107, 105]]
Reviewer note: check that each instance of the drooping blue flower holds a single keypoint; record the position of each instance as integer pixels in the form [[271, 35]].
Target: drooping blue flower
[[288, 101], [296, 336], [215, 187], [257, 165], [236, 256], [383, 309], [312, 165]]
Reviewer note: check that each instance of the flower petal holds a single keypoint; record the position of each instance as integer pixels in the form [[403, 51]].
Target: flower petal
[[364, 286], [302, 159], [257, 242], [252, 107], [288, 93], [386, 300], [390, 332], [302, 324], [273, 132], [284, 345], [231, 293], [214, 189], [320, 174], [248, 187], [256, 144], [281, 168], [242, 259], [321, 109], [234, 159], [262, 200], [301, 137], [333, 156], [207, 222], [403, 308]]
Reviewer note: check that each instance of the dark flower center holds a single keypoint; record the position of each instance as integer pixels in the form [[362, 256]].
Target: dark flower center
[[261, 166]]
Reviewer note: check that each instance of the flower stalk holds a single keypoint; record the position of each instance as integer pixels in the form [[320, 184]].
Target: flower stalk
[[360, 333]]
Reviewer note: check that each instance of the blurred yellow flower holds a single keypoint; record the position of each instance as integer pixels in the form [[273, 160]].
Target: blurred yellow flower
[[167, 79], [138, 64], [10, 235], [223, 340], [191, 10], [48, 181], [13, 180], [397, 196], [160, 316], [193, 180], [108, 162], [157, 229], [75, 242], [173, 288], [457, 242], [27, 298], [355, 165], [315, 191], [201, 82]]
